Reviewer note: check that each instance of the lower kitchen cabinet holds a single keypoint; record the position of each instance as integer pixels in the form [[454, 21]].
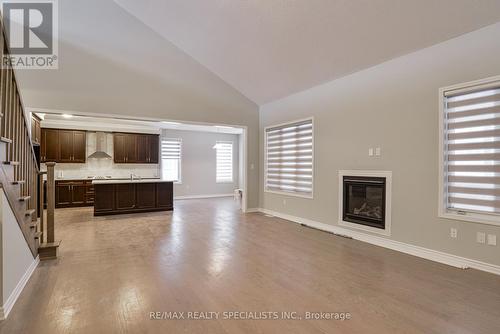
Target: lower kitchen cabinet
[[165, 194], [145, 195], [74, 193], [78, 194], [104, 199], [127, 197]]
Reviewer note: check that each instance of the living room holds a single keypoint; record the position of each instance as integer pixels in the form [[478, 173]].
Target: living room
[[367, 159]]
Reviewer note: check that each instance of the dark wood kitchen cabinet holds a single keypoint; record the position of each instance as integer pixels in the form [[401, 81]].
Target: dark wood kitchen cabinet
[[63, 194], [142, 142], [127, 197], [104, 202], [64, 146], [136, 148], [145, 193], [79, 146], [89, 192], [165, 194], [119, 154], [73, 193], [154, 148], [78, 194], [131, 148], [49, 147], [36, 131]]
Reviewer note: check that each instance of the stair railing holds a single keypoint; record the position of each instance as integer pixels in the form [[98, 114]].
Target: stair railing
[[15, 127]]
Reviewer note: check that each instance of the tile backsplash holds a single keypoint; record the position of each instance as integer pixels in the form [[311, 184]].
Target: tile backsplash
[[103, 167]]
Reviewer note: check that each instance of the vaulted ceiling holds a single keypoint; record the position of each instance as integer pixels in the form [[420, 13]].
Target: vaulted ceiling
[[184, 59], [268, 49]]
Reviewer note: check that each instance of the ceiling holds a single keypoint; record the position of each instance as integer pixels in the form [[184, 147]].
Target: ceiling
[[268, 49], [110, 63], [107, 124]]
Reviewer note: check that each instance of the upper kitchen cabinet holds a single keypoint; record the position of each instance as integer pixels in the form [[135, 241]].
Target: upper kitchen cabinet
[[63, 146], [135, 148], [154, 148], [49, 146], [36, 131]]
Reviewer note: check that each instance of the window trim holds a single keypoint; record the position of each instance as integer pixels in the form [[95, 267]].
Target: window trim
[[443, 212], [286, 193], [180, 159], [232, 161]]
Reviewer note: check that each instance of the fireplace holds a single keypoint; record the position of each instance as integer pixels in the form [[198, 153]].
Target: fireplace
[[365, 200]]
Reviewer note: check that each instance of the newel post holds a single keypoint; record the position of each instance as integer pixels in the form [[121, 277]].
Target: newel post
[[48, 250], [51, 201]]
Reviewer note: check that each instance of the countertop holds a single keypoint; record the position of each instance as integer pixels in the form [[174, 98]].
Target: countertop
[[116, 181]]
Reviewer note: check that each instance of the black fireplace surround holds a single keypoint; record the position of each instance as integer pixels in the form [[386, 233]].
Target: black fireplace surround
[[364, 200]]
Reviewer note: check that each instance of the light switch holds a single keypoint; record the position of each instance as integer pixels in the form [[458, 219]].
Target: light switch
[[370, 152], [453, 233], [377, 151], [492, 239]]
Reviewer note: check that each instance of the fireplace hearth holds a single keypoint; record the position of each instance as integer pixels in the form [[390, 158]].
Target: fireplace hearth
[[364, 200]]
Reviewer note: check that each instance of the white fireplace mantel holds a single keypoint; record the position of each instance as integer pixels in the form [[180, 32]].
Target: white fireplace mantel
[[388, 195]]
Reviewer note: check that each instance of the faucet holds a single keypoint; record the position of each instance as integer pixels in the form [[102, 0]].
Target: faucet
[[134, 177]]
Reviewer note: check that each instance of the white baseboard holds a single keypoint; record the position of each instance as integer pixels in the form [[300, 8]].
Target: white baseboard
[[426, 253], [9, 304], [203, 196], [252, 210]]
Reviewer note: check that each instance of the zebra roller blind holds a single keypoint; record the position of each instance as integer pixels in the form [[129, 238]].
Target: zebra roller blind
[[171, 152], [289, 158], [472, 143], [224, 172]]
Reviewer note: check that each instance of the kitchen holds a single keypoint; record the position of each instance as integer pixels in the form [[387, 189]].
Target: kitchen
[[115, 165], [125, 181]]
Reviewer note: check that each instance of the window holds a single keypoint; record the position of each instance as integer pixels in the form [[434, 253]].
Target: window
[[224, 152], [470, 163], [289, 158], [171, 152]]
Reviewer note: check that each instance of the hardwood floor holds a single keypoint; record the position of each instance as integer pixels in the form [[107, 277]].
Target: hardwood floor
[[206, 256]]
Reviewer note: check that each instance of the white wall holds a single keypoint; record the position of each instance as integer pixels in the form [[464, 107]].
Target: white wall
[[17, 260], [199, 163], [394, 106]]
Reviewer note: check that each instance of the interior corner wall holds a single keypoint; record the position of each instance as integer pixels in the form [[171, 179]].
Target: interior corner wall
[[198, 164], [16, 255], [394, 106]]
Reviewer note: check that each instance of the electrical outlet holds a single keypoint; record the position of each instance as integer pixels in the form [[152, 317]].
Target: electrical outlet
[[252, 166], [492, 239], [453, 233], [284, 202], [377, 151], [481, 237], [370, 152]]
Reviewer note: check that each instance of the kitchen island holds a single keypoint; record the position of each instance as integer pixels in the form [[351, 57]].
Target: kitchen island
[[116, 196]]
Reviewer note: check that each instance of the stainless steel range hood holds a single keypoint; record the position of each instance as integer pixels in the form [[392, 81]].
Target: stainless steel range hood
[[101, 144]]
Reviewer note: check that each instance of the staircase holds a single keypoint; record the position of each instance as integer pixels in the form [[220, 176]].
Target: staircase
[[20, 177]]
